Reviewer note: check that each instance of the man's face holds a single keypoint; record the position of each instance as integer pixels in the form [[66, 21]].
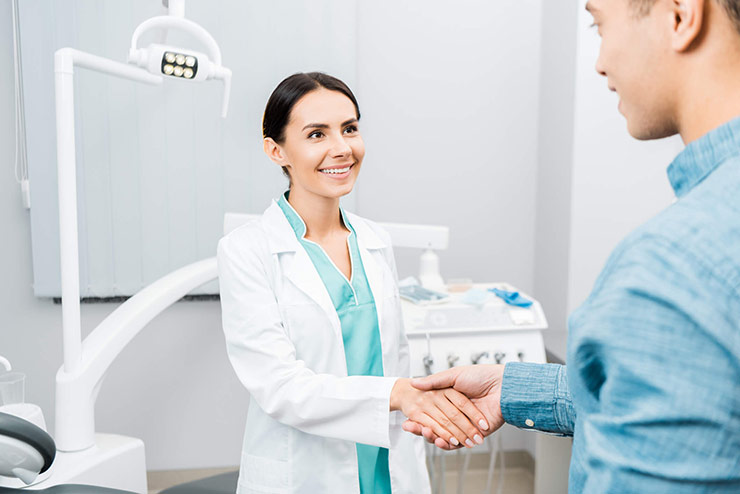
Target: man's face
[[635, 57]]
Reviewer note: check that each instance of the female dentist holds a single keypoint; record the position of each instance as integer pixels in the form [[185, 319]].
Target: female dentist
[[312, 320]]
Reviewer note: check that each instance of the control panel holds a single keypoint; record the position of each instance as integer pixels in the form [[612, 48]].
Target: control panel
[[453, 333]]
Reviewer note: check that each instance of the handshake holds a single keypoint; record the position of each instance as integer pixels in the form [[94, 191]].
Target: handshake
[[454, 408]]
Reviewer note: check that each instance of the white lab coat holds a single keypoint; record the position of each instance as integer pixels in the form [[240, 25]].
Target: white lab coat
[[285, 342]]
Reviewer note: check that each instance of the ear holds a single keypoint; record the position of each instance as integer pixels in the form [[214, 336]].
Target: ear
[[688, 23], [274, 151]]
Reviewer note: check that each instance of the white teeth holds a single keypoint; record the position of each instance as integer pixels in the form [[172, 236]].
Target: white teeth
[[335, 171]]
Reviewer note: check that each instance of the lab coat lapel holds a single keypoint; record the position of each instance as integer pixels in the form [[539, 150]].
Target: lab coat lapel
[[301, 271], [303, 274], [370, 245], [374, 278]]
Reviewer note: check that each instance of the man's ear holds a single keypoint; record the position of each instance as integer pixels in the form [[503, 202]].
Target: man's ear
[[688, 23], [274, 151]]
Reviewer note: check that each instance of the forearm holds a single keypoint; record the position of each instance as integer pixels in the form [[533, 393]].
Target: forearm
[[353, 408], [536, 396]]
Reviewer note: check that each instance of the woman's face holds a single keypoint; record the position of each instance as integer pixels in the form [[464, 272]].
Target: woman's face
[[323, 148]]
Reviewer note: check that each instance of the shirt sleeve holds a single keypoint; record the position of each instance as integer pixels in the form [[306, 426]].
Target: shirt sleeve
[[354, 408], [656, 372], [536, 396]]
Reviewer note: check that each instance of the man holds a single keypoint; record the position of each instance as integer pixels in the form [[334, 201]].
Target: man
[[651, 391]]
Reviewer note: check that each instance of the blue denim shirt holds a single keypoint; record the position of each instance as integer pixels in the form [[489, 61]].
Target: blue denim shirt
[[651, 391]]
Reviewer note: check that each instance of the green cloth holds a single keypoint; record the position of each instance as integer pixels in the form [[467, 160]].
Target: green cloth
[[358, 317]]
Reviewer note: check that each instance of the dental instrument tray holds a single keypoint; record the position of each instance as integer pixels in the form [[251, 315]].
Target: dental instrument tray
[[420, 295]]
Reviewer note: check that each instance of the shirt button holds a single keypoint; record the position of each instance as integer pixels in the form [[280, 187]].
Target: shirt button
[[529, 422]]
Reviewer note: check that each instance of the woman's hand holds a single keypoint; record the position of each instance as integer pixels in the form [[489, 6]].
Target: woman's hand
[[480, 383], [448, 413]]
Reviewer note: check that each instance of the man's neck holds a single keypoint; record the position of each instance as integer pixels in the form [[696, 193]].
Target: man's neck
[[706, 110], [709, 94]]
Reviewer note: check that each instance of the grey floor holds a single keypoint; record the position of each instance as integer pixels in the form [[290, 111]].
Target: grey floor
[[518, 478]]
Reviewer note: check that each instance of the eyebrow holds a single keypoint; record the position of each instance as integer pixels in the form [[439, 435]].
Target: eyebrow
[[325, 126]]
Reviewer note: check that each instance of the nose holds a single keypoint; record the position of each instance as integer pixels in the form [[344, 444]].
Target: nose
[[600, 66], [339, 147]]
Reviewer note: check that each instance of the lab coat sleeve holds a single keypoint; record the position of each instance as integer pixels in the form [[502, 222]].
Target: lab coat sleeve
[[354, 408]]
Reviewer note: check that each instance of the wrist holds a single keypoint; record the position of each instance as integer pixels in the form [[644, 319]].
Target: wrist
[[396, 393]]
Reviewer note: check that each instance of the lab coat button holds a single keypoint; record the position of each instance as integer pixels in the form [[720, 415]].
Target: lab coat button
[[529, 422]]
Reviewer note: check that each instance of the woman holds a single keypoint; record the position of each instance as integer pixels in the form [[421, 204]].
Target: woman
[[312, 320]]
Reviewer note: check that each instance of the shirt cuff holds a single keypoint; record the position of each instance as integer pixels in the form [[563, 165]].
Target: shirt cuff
[[536, 396]]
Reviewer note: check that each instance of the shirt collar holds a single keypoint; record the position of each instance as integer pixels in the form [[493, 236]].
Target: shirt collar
[[702, 156]]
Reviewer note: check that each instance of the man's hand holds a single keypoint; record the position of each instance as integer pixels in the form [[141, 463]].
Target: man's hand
[[447, 413], [480, 383]]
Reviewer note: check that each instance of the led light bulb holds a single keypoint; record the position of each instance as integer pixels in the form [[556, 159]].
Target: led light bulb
[[167, 69], [169, 57], [187, 73], [178, 71], [189, 61], [180, 59]]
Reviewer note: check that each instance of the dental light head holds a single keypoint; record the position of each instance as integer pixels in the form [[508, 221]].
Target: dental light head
[[181, 63]]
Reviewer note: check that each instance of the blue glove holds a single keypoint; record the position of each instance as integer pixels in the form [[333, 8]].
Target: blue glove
[[511, 298]]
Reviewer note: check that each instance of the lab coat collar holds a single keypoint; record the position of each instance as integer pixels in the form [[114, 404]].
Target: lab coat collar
[[366, 236], [281, 237]]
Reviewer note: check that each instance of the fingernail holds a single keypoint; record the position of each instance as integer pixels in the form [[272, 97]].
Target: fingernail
[[483, 424], [478, 439], [454, 441], [469, 443]]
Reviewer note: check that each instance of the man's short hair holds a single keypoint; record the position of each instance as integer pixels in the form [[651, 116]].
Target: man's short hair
[[732, 7]]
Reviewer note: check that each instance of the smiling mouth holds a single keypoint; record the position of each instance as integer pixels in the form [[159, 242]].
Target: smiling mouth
[[336, 171]]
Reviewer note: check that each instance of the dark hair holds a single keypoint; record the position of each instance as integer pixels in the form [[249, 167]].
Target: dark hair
[[286, 95]]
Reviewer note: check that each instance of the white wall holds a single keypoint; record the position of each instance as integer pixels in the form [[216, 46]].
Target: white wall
[[555, 163], [449, 94]]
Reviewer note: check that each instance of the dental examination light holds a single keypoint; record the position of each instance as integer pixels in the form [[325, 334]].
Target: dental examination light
[[83, 456], [181, 63]]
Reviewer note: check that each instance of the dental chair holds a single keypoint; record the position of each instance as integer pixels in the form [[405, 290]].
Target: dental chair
[[27, 451]]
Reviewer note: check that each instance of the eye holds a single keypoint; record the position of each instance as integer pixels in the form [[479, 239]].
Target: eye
[[350, 129], [315, 134]]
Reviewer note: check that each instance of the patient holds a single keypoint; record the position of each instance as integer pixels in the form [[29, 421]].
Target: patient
[[313, 324]]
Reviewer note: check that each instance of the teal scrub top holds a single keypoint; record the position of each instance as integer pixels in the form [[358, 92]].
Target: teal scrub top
[[358, 317]]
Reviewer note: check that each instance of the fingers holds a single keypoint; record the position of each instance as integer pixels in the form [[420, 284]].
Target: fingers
[[462, 403], [440, 380], [433, 419], [437, 441], [413, 428], [426, 432], [455, 421], [442, 444], [430, 436]]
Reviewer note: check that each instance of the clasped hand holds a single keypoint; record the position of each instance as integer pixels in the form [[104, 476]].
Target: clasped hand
[[473, 392], [446, 413]]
